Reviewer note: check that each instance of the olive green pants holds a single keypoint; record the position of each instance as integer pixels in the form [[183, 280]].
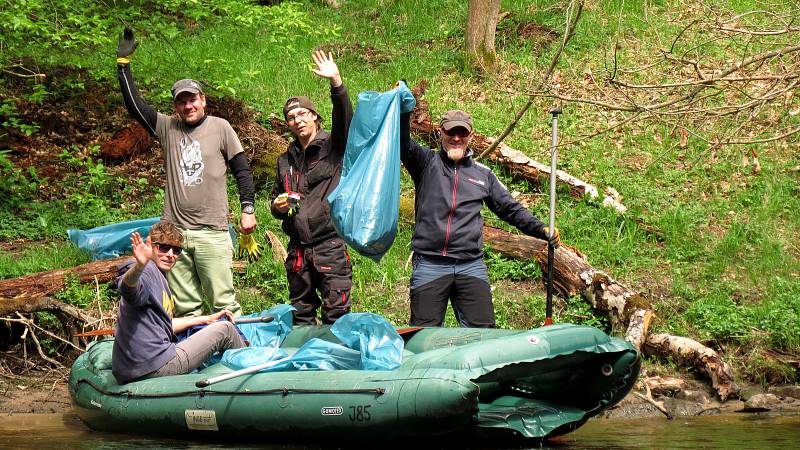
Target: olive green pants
[[203, 274]]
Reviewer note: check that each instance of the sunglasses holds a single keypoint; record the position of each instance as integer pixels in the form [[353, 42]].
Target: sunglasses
[[165, 248], [457, 131]]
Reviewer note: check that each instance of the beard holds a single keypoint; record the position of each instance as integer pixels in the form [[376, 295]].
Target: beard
[[456, 153]]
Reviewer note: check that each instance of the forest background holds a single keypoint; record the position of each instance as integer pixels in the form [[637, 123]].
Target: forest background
[[686, 112]]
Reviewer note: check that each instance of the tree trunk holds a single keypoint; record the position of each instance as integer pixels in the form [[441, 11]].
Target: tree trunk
[[480, 34], [46, 283], [628, 310], [688, 352]]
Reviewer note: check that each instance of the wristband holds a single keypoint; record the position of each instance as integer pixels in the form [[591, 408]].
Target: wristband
[[123, 60]]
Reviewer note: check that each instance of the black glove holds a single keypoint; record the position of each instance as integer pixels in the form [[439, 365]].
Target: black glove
[[127, 43]]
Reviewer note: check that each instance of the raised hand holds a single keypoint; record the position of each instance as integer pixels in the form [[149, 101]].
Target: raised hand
[[127, 43], [326, 68], [142, 250]]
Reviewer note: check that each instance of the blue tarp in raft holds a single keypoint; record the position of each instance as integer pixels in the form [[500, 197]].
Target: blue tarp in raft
[[368, 342]]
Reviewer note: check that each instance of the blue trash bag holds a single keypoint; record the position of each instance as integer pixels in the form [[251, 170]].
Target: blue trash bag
[[379, 344], [365, 205], [269, 334], [110, 241], [369, 342]]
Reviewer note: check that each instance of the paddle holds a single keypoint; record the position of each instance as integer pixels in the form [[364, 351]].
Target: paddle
[[110, 331], [238, 373], [551, 249]]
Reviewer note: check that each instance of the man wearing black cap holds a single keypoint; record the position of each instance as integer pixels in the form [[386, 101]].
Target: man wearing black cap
[[451, 190], [196, 148], [309, 170]]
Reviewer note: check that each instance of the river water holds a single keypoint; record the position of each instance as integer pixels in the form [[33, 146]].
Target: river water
[[751, 431]]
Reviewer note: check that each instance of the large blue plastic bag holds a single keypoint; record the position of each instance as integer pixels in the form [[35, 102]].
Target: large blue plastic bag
[[110, 241], [380, 345], [369, 342], [365, 205], [270, 334]]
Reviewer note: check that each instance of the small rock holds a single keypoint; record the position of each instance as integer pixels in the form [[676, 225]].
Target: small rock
[[693, 396], [785, 391], [762, 402]]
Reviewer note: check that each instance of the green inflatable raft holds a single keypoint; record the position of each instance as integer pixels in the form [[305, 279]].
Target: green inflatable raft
[[462, 382]]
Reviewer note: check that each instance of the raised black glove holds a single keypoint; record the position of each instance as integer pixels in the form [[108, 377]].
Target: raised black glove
[[127, 43]]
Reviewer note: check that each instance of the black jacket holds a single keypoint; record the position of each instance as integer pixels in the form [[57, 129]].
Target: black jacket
[[314, 173], [449, 199]]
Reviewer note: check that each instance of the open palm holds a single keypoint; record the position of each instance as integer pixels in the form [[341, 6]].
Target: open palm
[[326, 68]]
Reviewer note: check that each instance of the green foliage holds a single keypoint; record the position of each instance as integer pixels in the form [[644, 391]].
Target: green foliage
[[40, 257], [718, 318], [578, 311], [714, 242], [84, 295], [91, 189], [10, 118], [501, 268], [17, 186]]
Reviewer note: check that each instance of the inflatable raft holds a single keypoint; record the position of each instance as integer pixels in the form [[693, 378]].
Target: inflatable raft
[[452, 382]]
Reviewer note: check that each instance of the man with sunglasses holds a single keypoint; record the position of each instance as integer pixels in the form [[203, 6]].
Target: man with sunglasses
[[451, 190], [307, 172], [197, 149], [145, 345]]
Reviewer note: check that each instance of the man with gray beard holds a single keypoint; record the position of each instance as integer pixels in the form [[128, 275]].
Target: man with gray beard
[[451, 190]]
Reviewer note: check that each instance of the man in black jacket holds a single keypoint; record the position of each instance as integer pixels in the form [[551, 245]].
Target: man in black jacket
[[307, 172], [451, 190]]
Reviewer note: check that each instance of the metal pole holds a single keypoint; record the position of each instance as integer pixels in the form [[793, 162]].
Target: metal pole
[[551, 250]]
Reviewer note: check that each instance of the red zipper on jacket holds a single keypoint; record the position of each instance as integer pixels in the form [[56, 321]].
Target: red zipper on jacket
[[452, 210]]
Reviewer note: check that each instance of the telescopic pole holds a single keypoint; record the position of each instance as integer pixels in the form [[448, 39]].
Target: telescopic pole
[[551, 249]]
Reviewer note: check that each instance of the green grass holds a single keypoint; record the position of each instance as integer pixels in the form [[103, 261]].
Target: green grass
[[710, 240]]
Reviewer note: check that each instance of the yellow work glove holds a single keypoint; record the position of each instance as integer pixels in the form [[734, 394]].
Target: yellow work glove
[[249, 247]]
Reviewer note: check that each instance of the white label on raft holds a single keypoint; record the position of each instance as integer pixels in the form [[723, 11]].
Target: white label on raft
[[200, 419], [533, 339], [332, 410]]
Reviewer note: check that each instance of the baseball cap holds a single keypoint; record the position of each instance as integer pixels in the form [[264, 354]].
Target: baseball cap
[[299, 102], [185, 85], [456, 118]]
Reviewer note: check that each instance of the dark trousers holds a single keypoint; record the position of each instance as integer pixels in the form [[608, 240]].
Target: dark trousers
[[323, 267], [437, 281]]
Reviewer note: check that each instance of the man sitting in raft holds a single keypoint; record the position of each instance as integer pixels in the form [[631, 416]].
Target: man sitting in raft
[[145, 345]]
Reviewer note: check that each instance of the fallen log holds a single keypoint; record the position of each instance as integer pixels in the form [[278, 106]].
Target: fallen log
[[52, 281], [688, 352], [628, 310], [29, 304]]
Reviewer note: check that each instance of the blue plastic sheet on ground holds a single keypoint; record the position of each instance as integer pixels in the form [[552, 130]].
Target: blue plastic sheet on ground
[[110, 241], [369, 342], [365, 205]]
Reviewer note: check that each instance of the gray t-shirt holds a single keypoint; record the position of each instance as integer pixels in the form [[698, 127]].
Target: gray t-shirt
[[196, 192], [143, 340]]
